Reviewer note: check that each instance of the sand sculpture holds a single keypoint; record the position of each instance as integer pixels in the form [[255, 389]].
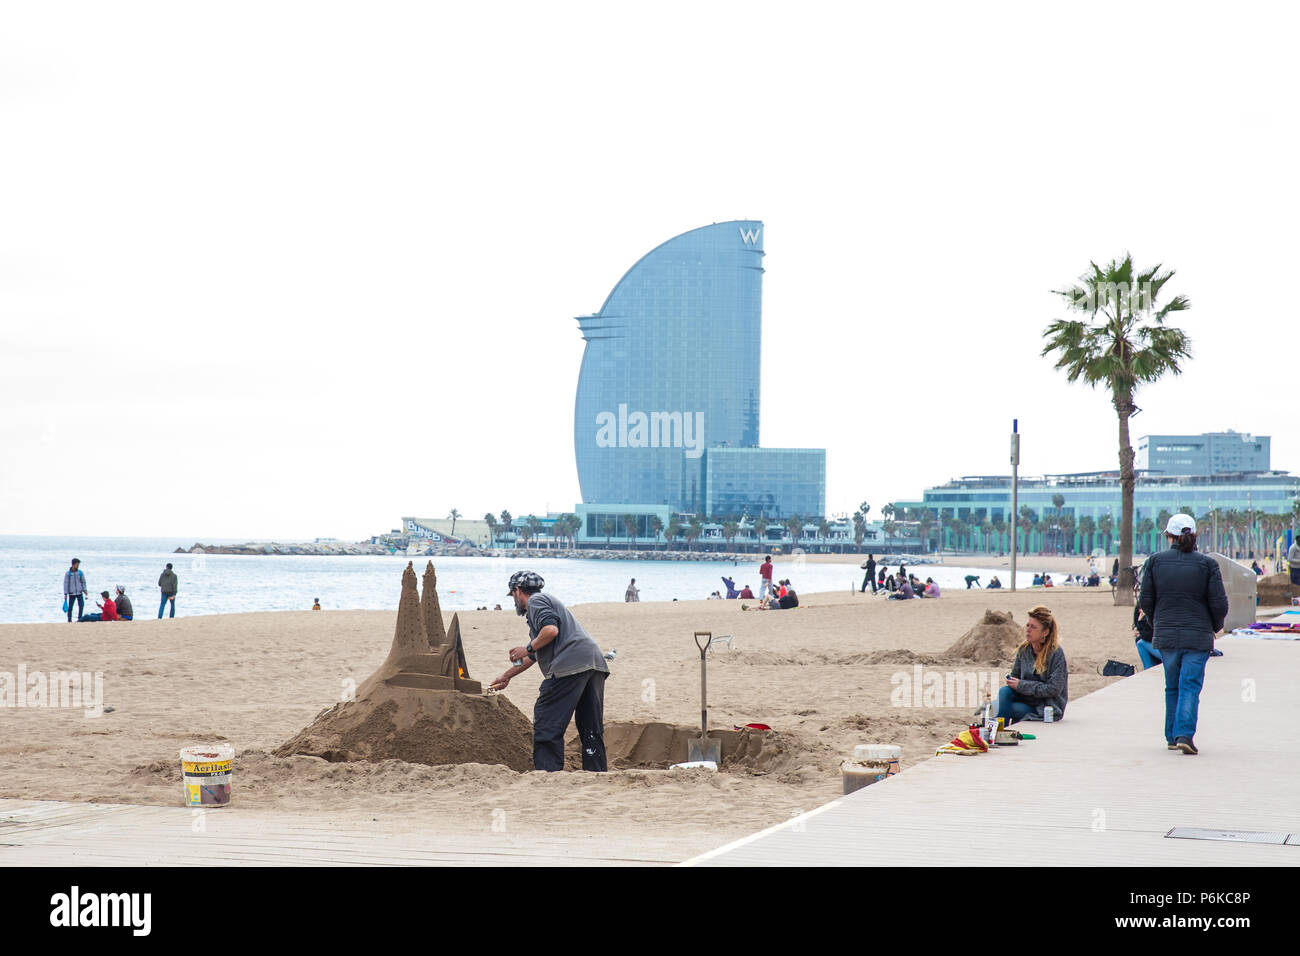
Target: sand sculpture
[[994, 638], [421, 704]]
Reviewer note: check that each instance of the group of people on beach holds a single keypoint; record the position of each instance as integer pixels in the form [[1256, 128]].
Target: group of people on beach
[[115, 607]]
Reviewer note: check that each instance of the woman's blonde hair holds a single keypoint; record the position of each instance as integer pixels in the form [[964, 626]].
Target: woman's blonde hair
[[1044, 617]]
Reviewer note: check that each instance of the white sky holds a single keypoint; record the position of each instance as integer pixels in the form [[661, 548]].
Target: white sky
[[298, 269]]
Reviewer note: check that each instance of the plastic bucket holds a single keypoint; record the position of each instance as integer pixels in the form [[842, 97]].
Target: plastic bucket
[[206, 773], [871, 763]]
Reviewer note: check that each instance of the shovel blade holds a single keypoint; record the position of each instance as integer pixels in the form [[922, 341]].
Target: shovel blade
[[697, 749]]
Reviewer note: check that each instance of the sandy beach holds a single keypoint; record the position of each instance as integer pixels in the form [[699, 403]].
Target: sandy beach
[[820, 676]]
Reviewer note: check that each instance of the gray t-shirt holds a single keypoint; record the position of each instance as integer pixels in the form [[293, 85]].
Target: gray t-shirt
[[573, 651]]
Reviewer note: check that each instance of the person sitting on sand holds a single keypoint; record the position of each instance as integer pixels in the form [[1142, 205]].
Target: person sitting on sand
[[880, 578], [715, 596], [1039, 677], [107, 608], [315, 604], [1038, 580], [904, 591], [1047, 581], [745, 592], [891, 584], [994, 584], [931, 589], [123, 603]]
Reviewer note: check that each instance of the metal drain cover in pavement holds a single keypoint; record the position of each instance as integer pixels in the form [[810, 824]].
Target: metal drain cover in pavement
[[1234, 836]]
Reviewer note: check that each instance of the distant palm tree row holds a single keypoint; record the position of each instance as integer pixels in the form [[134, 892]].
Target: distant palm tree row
[[919, 529]]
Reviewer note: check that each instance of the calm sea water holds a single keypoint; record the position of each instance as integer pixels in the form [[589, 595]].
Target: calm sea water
[[31, 578]]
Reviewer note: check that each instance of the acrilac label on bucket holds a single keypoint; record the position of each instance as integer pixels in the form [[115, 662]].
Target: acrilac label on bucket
[[206, 772]]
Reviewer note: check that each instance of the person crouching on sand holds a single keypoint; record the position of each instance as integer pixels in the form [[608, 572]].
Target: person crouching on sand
[[574, 669], [1039, 677]]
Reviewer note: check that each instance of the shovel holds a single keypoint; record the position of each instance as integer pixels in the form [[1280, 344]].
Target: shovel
[[704, 748]]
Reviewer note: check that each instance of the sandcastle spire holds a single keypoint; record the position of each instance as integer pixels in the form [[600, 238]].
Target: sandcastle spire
[[431, 612], [408, 636]]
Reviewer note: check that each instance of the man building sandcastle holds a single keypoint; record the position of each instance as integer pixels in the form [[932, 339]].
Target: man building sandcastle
[[574, 669]]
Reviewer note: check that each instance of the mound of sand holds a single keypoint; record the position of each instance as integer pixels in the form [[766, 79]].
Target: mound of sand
[[420, 705], [994, 638], [1276, 589]]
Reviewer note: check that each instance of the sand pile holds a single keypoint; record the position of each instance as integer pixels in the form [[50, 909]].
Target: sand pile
[[1275, 589], [420, 705], [994, 638]]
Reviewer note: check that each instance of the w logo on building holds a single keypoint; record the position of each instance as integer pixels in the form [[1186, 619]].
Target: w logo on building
[[750, 235]]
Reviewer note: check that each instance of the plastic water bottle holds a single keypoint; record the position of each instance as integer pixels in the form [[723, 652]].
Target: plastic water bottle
[[1049, 715]]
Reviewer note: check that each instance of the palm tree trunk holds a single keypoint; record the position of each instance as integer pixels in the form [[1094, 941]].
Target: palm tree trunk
[[1123, 401]]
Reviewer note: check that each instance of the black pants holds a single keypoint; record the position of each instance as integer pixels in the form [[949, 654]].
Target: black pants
[[80, 601], [579, 697], [869, 579]]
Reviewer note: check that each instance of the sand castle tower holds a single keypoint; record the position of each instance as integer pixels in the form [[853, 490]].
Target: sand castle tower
[[420, 705]]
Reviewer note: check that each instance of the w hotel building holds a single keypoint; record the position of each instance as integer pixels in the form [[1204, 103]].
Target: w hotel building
[[667, 411]]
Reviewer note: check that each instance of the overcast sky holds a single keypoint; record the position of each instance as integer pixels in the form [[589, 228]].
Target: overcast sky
[[299, 269]]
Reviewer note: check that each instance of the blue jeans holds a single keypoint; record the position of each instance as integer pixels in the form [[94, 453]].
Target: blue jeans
[[163, 606], [80, 601], [1150, 656], [1012, 706], [1184, 675]]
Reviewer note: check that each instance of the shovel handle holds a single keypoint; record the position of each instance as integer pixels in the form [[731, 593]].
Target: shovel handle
[[704, 648]]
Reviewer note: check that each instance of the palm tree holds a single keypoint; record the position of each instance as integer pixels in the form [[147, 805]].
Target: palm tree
[[607, 529], [1066, 524], [823, 530], [629, 525], [507, 521], [1087, 525], [1144, 529], [1121, 353], [760, 531], [1106, 525], [673, 530], [889, 527], [693, 530], [657, 526], [453, 514], [795, 527], [729, 531], [491, 520]]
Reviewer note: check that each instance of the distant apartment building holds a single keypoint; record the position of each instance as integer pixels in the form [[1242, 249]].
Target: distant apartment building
[[1210, 453]]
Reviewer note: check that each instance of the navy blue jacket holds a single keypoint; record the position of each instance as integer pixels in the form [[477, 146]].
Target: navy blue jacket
[[1182, 593]]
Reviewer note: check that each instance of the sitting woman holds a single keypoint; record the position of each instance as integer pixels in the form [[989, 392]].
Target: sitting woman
[[931, 589], [1039, 677], [1142, 636]]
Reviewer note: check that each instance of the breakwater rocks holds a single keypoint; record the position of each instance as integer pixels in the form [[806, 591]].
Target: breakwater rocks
[[326, 548]]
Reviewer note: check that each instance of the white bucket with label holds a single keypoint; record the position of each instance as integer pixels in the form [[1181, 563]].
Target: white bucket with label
[[206, 772], [871, 763]]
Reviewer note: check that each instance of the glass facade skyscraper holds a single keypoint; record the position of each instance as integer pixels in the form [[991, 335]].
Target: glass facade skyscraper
[[671, 369]]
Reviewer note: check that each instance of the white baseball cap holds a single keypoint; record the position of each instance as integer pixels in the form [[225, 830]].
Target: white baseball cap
[[1180, 523]]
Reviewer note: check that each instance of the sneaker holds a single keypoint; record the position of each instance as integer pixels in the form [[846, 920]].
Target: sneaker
[[1185, 745], [1170, 745]]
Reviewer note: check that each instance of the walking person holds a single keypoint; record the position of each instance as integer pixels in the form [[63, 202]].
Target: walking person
[[574, 669], [870, 578], [1183, 595], [1293, 560], [74, 589], [167, 584], [632, 594]]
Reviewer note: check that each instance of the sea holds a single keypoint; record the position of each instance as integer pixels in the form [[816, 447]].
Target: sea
[[32, 567]]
